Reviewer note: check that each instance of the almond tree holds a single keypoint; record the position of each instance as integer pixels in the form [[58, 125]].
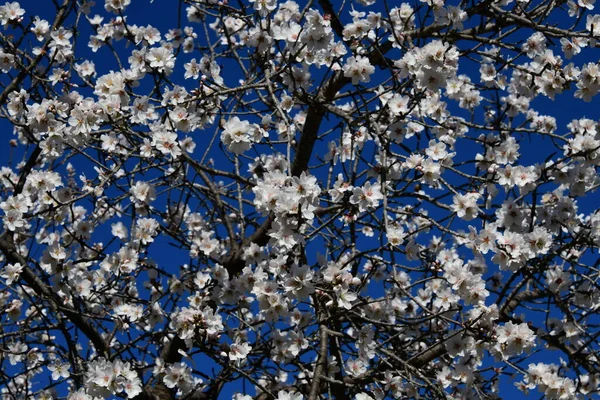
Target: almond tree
[[262, 199]]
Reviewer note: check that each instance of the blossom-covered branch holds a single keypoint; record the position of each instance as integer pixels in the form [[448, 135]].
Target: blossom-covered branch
[[294, 200]]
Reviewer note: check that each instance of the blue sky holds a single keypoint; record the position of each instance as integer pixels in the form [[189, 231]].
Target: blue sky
[[163, 14]]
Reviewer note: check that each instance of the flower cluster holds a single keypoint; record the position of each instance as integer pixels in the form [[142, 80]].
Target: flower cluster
[[432, 65], [547, 380], [104, 378], [513, 339], [360, 200], [188, 322], [239, 135], [295, 196]]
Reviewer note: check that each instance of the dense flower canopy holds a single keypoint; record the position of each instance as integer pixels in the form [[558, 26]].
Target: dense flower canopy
[[265, 199]]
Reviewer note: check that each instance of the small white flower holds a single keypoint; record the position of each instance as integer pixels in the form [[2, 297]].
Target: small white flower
[[11, 273], [359, 69], [59, 370], [239, 351]]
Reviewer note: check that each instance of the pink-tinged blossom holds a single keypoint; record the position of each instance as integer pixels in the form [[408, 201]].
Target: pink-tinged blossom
[[367, 197], [285, 395], [11, 273], [238, 135], [142, 193], [512, 339], [59, 370], [11, 12], [359, 69], [116, 6], [465, 206], [179, 376], [238, 351]]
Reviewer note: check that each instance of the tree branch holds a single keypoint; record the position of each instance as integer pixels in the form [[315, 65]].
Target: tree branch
[[42, 290]]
